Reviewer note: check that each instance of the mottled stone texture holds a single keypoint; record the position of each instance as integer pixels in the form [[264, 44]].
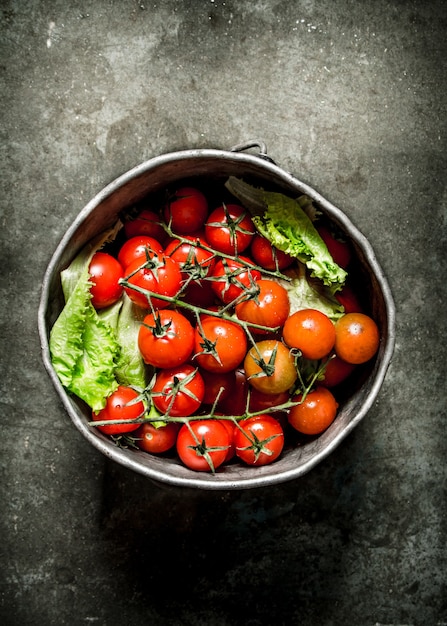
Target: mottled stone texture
[[349, 96]]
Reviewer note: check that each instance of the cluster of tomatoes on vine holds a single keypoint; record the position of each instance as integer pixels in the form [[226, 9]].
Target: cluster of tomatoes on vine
[[232, 367]]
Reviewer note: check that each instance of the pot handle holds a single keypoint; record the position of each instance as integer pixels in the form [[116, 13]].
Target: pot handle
[[254, 143]]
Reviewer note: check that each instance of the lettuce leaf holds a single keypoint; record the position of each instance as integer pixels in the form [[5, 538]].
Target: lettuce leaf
[[84, 349], [287, 225], [130, 369], [310, 294]]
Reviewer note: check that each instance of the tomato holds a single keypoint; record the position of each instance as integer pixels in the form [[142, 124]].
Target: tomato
[[186, 210], [259, 440], [270, 307], [339, 250], [315, 413], [120, 405], [105, 272], [229, 229], [156, 439], [230, 427], [202, 445], [217, 384], [348, 299], [161, 274], [146, 223], [260, 401], [236, 402], [178, 391], [270, 367], [311, 332], [233, 278], [357, 338], [138, 247], [336, 371], [220, 345], [165, 338], [191, 256], [267, 256]]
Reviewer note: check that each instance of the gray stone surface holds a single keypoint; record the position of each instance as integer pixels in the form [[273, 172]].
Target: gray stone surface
[[350, 96]]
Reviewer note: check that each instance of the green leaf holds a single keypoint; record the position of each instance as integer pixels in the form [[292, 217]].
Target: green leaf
[[310, 294], [287, 225], [83, 346], [130, 369]]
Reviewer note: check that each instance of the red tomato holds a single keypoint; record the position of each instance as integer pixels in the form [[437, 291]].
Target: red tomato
[[190, 256], [236, 402], [229, 229], [138, 247], [156, 440], [315, 413], [259, 440], [220, 345], [161, 274], [348, 299], [165, 339], [260, 401], [146, 223], [178, 391], [270, 367], [105, 272], [186, 210], [232, 278], [340, 251], [267, 256], [311, 332], [202, 444], [270, 307], [336, 371], [357, 338], [217, 384], [230, 426], [120, 405]]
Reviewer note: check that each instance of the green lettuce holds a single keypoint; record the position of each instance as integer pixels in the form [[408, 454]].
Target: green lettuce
[[83, 345], [310, 294], [285, 222]]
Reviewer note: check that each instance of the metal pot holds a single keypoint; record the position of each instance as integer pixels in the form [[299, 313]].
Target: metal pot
[[209, 164]]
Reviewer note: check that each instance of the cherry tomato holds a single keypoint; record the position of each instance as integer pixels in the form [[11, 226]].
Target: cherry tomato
[[161, 274], [146, 223], [229, 425], [156, 439], [191, 256], [178, 391], [138, 247], [259, 440], [336, 371], [315, 413], [270, 367], [311, 332], [348, 299], [267, 256], [220, 345], [105, 272], [232, 278], [236, 402], [270, 307], [340, 251], [202, 444], [357, 338], [165, 338], [121, 405], [260, 401], [217, 384], [186, 210], [229, 229]]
